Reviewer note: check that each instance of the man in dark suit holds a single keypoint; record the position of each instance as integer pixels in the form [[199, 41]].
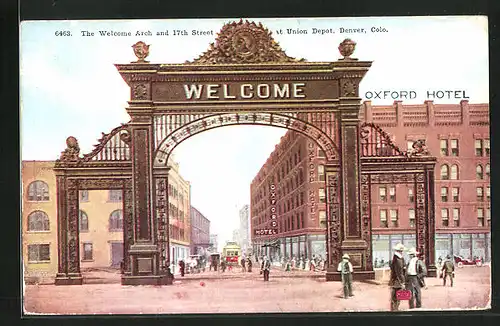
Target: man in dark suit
[[397, 280], [448, 270], [265, 268]]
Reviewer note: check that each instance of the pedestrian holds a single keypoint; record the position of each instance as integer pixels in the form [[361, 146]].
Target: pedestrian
[[243, 268], [249, 264], [265, 268], [345, 269], [182, 266], [439, 266], [397, 279], [415, 272], [448, 270], [223, 264]]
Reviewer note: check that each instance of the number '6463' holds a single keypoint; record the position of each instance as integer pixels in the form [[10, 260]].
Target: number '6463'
[[63, 33]]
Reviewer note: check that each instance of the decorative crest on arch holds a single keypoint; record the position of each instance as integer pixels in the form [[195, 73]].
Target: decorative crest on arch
[[244, 42]]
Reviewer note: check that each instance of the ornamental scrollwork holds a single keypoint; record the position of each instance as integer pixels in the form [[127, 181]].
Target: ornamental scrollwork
[[244, 42], [105, 138]]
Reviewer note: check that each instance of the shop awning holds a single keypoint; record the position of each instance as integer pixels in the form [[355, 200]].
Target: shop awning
[[273, 243]]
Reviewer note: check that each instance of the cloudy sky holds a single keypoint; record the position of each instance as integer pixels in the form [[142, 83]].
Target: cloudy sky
[[70, 86]]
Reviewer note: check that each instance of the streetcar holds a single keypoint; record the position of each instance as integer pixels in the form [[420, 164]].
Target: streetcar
[[232, 253]]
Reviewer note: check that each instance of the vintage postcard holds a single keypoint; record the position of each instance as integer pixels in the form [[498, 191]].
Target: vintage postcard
[[248, 165]]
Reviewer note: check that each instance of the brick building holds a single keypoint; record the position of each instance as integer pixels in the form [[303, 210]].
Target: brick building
[[200, 232], [100, 222], [457, 134]]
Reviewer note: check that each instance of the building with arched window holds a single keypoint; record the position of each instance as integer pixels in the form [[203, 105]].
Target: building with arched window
[[100, 223]]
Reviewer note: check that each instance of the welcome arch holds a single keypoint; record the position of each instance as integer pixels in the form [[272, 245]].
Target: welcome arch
[[243, 78]]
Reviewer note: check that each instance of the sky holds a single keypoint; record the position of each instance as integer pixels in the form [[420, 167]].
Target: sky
[[70, 86]]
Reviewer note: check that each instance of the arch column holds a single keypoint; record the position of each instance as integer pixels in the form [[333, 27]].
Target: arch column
[[68, 232], [143, 253]]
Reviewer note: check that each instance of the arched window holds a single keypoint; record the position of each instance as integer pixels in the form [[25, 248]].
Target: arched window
[[454, 172], [38, 221], [84, 221], [487, 168], [38, 191], [116, 220], [445, 172], [479, 172]]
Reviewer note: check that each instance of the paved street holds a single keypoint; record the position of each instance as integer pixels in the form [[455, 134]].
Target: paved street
[[240, 292]]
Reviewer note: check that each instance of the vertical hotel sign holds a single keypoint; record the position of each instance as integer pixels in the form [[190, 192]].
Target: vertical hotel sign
[[311, 153], [274, 223], [273, 228]]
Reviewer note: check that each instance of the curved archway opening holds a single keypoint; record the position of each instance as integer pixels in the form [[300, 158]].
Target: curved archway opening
[[209, 122]]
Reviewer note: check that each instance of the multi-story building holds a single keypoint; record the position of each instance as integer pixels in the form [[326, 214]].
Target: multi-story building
[[101, 222], [237, 236], [179, 191], [457, 134], [245, 228], [295, 173], [214, 242], [200, 232]]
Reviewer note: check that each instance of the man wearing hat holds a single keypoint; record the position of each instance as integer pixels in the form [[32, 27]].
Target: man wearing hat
[[345, 269], [397, 280], [415, 272], [448, 270]]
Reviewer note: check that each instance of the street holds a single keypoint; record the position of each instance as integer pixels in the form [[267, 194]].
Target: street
[[237, 292]]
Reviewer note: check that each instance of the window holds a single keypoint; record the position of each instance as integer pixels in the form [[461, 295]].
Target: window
[[322, 219], [480, 217], [456, 217], [87, 251], [487, 147], [487, 168], [84, 221], [479, 172], [383, 218], [322, 196], [392, 193], [411, 196], [383, 193], [38, 191], [38, 252], [444, 194], [321, 153], [38, 221], [488, 193], [488, 216], [455, 192], [454, 172], [115, 195], [454, 147], [321, 172], [84, 195], [479, 147], [116, 220], [480, 193], [411, 217], [444, 216], [394, 217], [445, 172], [444, 147]]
